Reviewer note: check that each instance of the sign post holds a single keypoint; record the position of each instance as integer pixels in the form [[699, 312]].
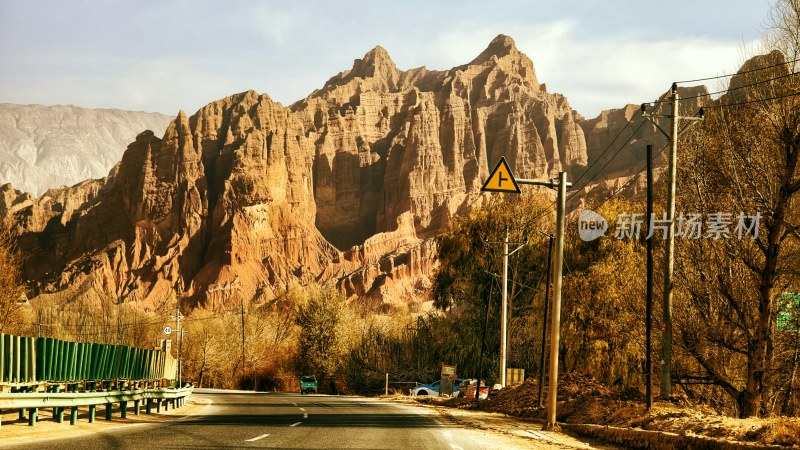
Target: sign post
[[447, 379], [502, 180]]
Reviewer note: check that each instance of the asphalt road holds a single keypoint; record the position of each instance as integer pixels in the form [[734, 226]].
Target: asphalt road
[[257, 420]]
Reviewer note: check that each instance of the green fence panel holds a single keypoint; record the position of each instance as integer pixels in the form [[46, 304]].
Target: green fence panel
[[122, 371], [57, 359], [23, 360], [49, 358], [39, 358], [72, 353], [52, 350], [109, 361], [73, 374], [32, 359], [16, 355], [131, 369], [62, 360], [95, 366], [108, 364], [87, 362], [10, 359], [103, 367], [100, 360], [125, 364], [85, 358], [117, 361], [140, 365], [80, 359], [149, 367]]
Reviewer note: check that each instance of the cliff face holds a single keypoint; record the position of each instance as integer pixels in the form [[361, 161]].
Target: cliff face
[[390, 141], [247, 196], [44, 147]]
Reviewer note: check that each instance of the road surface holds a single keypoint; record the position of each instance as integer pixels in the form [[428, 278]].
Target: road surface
[[228, 420]]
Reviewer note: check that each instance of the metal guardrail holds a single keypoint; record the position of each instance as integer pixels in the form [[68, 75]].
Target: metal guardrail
[[30, 403], [69, 399]]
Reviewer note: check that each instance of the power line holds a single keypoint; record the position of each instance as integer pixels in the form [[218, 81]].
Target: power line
[[740, 87], [740, 73], [727, 105], [632, 177], [603, 153], [574, 193]]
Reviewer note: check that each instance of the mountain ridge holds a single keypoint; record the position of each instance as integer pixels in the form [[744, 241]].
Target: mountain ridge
[[248, 196]]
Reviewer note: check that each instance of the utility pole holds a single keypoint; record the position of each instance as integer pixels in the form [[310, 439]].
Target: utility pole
[[555, 327], [504, 306], [648, 321], [178, 328], [504, 314], [669, 251], [178, 317], [544, 319]]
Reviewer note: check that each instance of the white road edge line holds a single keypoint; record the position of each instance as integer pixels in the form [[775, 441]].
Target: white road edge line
[[295, 424], [256, 438]]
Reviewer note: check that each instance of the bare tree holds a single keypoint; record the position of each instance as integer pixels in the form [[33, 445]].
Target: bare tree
[[744, 159], [11, 291]]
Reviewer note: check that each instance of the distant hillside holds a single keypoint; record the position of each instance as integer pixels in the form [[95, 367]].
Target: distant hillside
[[43, 147]]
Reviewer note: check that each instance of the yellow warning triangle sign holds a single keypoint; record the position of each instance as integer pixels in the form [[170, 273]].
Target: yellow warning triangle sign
[[501, 179]]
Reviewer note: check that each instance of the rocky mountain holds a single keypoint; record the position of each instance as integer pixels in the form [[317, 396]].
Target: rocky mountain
[[44, 147], [247, 196]]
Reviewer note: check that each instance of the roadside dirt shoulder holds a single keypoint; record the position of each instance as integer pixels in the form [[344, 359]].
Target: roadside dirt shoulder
[[501, 423]]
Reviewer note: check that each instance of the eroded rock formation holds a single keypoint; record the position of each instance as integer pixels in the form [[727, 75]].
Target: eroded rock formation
[[350, 183]]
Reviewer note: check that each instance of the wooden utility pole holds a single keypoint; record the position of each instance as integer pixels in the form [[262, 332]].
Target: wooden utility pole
[[504, 306], [555, 327], [669, 250], [544, 319], [648, 368]]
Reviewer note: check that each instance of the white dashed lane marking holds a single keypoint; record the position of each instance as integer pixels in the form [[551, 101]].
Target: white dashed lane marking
[[256, 438], [295, 424]]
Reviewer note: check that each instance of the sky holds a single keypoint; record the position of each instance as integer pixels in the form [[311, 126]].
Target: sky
[[165, 55]]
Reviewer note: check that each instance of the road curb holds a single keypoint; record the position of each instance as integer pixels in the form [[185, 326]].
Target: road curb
[[657, 440]]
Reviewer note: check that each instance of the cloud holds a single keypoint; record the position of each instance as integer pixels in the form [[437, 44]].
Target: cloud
[[600, 72]]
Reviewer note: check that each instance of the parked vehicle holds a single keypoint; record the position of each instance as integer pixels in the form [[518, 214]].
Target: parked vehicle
[[308, 383], [432, 389]]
